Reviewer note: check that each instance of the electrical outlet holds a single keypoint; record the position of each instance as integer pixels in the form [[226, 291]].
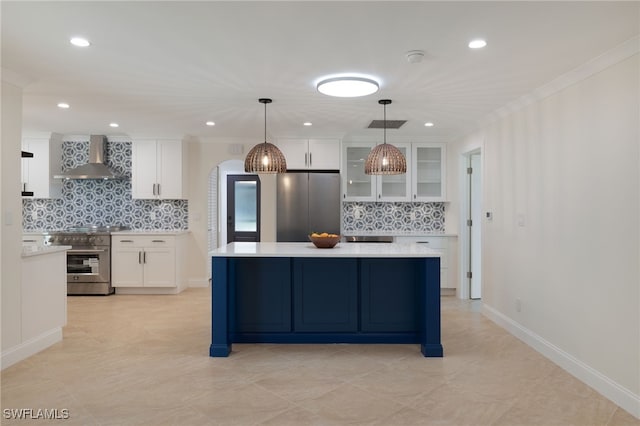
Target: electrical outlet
[[412, 215], [152, 215], [357, 214], [34, 215], [518, 305]]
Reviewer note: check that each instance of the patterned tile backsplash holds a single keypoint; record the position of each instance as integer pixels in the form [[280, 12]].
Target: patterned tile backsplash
[[392, 217], [100, 202]]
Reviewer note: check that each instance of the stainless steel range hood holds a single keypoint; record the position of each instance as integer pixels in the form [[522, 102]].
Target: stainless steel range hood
[[95, 168]]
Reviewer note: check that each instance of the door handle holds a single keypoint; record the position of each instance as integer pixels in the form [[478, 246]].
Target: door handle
[[140, 257]]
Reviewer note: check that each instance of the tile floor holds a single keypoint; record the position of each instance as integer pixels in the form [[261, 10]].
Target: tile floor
[[143, 360]]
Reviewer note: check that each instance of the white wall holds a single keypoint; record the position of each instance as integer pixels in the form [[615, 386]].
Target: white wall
[[11, 213], [204, 156], [567, 166]]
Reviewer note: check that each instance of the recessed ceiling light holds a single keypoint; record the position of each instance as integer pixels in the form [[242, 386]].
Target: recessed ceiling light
[[347, 86], [307, 123], [210, 123], [114, 125], [79, 41], [477, 44], [428, 124], [63, 105]]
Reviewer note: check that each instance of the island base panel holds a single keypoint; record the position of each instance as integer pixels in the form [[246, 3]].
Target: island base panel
[[412, 316]]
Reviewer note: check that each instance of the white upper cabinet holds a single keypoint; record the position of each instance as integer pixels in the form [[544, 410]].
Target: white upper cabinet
[[356, 185], [428, 172], [311, 154], [424, 180], [38, 171], [396, 187], [158, 169]]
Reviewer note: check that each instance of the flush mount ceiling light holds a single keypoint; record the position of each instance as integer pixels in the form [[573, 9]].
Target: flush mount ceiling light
[[114, 125], [210, 123], [348, 86], [477, 44], [385, 159], [265, 157], [63, 105], [80, 42]]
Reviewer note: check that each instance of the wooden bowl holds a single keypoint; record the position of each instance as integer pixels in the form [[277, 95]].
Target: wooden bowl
[[325, 242]]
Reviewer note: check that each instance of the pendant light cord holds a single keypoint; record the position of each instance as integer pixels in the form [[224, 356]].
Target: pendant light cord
[[265, 122], [384, 123]]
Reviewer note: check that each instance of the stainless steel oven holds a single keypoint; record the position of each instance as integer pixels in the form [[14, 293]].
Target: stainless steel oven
[[89, 260]]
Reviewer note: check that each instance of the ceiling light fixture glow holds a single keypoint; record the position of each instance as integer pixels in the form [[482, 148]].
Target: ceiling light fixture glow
[[114, 125], [80, 42], [428, 124], [63, 105], [307, 123], [477, 44], [348, 86], [210, 123]]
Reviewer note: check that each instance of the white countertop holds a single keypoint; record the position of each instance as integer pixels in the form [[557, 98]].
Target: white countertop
[[154, 232], [397, 234], [309, 250], [29, 251]]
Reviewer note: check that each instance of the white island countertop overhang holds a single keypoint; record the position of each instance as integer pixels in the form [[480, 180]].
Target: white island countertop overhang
[[346, 250]]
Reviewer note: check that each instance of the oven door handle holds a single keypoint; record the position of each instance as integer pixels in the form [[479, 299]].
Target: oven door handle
[[88, 251]]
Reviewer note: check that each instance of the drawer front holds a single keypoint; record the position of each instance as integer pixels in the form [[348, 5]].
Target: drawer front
[[146, 241], [432, 242]]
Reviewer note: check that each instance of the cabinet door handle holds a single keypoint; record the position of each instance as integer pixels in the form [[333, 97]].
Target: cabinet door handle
[[379, 196], [158, 190], [344, 195], [310, 159], [140, 257], [305, 159], [144, 257], [154, 189], [415, 196], [158, 241], [126, 241]]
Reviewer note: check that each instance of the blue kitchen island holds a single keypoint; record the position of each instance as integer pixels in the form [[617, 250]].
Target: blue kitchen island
[[352, 293]]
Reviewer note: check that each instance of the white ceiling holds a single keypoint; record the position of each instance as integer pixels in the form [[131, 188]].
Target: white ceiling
[[164, 68]]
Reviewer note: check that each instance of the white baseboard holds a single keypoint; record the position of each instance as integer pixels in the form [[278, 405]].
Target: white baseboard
[[620, 395], [198, 282], [31, 347]]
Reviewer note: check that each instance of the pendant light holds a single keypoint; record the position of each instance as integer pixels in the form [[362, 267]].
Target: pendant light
[[265, 157], [385, 159]]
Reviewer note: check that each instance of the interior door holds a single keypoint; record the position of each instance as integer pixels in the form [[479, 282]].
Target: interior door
[[475, 212], [243, 208]]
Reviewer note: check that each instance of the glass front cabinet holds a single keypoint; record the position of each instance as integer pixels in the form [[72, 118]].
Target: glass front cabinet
[[356, 185], [424, 180], [396, 187], [428, 172]]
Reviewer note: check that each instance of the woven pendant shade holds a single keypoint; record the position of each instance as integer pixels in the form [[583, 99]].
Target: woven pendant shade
[[265, 157], [385, 159]]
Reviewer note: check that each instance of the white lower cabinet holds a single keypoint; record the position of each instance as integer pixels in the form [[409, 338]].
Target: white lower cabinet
[[446, 246], [146, 264]]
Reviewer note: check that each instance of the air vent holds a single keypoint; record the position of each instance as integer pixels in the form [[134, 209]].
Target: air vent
[[391, 124]]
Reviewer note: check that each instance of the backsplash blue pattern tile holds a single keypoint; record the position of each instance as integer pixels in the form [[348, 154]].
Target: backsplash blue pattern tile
[[101, 202], [392, 217]]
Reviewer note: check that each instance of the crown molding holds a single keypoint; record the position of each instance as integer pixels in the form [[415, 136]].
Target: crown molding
[[599, 63]]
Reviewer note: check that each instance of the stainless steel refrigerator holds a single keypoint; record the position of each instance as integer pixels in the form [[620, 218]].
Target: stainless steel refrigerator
[[307, 202]]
